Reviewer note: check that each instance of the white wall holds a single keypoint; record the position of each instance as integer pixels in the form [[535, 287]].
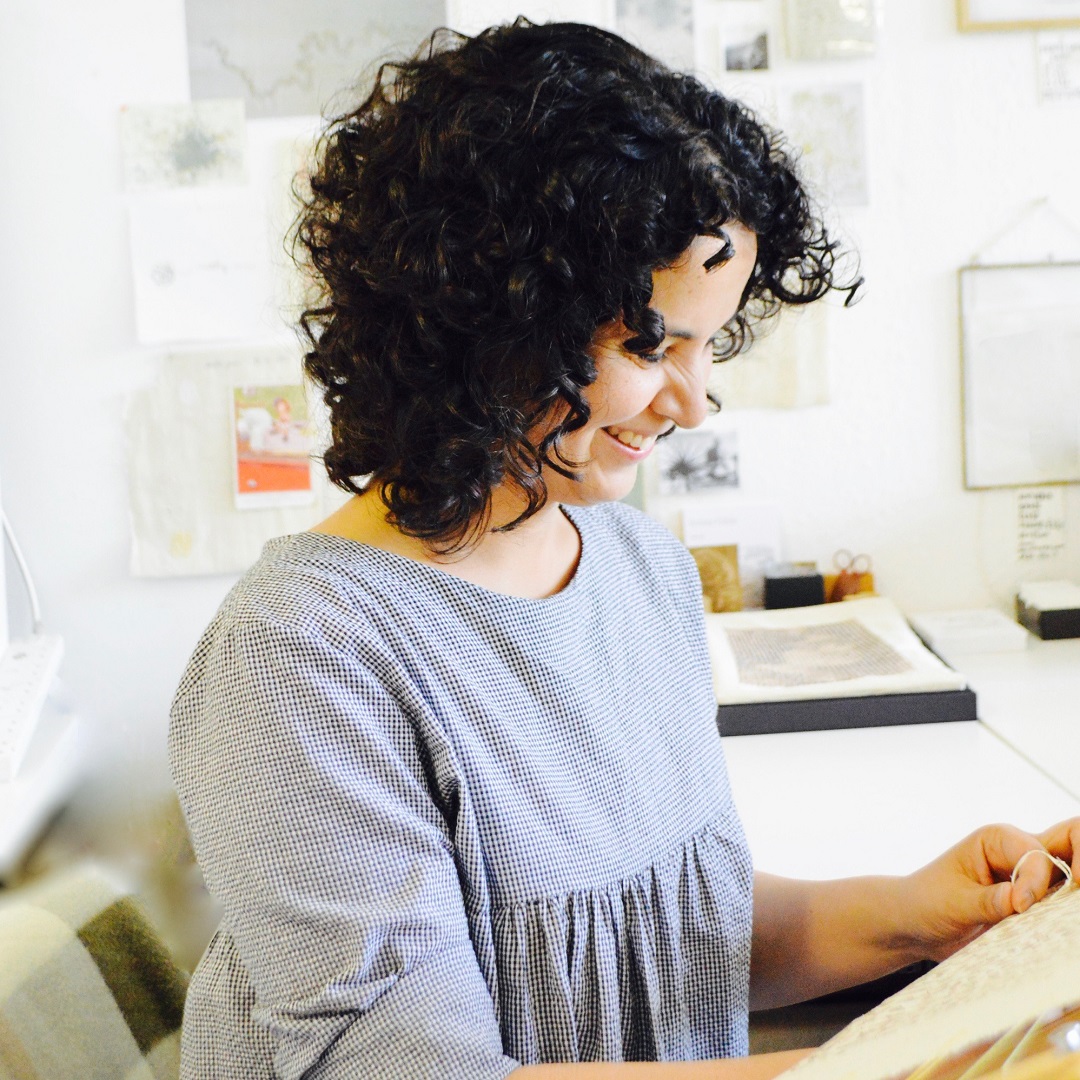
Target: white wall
[[958, 146]]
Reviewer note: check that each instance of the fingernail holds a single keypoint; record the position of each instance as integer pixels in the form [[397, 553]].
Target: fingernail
[[1024, 899]]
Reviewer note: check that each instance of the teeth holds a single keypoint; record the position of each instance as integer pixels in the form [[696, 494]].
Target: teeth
[[630, 438]]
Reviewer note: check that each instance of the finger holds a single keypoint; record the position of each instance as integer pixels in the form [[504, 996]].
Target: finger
[[1063, 840], [1003, 848], [995, 902], [1032, 879]]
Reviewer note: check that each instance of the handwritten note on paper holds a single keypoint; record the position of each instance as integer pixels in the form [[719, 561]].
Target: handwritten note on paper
[[1040, 523], [201, 268], [1058, 57]]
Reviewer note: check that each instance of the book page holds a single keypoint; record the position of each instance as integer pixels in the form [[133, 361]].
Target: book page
[[1023, 967]]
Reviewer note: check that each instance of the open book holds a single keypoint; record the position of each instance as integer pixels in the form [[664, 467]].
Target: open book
[[1012, 993]]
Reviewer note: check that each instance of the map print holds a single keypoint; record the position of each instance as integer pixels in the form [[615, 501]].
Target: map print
[[288, 59]]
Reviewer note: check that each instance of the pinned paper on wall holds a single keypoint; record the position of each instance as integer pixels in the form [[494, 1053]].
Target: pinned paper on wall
[[785, 367], [293, 59], [1058, 56], [182, 463], [744, 35], [273, 442], [1040, 523], [294, 287], [200, 267], [189, 145], [664, 28], [829, 29], [828, 124], [697, 461]]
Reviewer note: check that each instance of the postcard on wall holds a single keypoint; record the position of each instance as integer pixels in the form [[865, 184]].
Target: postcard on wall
[[743, 29], [697, 461], [298, 59], [189, 145], [273, 446], [200, 266], [828, 124], [665, 28], [829, 29]]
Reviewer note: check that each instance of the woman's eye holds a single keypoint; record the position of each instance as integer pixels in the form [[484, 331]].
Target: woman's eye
[[653, 357]]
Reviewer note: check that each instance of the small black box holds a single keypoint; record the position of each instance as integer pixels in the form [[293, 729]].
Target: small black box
[[1050, 625], [792, 585]]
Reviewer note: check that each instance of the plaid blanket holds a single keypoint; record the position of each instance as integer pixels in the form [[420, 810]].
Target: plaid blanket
[[87, 990]]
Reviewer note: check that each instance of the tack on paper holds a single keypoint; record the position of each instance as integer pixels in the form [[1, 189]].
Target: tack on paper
[[167, 146], [273, 442], [182, 450], [1040, 523], [1058, 60], [829, 29], [294, 59], [785, 367], [828, 124], [201, 268], [664, 28], [697, 461]]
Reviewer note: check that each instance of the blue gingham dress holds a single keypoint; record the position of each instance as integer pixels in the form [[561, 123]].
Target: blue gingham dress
[[454, 831]]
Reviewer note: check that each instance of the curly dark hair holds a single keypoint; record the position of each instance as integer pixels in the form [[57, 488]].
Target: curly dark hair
[[490, 205]]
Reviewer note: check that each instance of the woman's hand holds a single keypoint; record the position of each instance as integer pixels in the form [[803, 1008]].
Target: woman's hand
[[813, 937], [962, 893]]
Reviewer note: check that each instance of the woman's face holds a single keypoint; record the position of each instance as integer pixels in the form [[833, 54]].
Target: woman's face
[[634, 399]]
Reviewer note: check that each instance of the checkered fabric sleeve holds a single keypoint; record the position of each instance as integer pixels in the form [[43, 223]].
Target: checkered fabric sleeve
[[87, 989], [453, 831]]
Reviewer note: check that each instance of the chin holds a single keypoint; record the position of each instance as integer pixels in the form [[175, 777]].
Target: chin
[[590, 493]]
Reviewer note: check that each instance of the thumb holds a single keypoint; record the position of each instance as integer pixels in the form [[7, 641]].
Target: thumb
[[995, 902]]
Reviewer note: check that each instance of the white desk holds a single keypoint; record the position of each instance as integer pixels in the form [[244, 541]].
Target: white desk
[[1031, 698], [823, 804]]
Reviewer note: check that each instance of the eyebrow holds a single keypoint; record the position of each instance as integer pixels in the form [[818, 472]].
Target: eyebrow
[[682, 335]]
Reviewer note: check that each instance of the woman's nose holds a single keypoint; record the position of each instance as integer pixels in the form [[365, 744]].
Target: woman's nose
[[683, 398]]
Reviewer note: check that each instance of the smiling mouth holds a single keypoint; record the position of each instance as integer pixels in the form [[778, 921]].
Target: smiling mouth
[[634, 440]]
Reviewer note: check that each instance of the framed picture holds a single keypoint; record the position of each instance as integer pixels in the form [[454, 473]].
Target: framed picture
[[1020, 361], [1018, 14]]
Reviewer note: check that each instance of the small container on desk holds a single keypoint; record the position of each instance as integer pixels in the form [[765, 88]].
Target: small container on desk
[[1050, 609]]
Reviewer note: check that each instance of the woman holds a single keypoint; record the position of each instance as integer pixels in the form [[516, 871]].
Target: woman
[[450, 759]]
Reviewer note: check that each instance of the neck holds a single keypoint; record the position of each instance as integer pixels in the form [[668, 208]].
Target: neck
[[535, 559]]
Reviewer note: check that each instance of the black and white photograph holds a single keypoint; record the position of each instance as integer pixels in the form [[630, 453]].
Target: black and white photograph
[[697, 462]]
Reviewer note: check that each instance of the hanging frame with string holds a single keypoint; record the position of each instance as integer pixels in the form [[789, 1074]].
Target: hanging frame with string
[[1020, 361]]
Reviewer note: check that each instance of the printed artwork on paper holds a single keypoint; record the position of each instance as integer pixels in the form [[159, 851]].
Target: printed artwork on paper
[[288, 59], [698, 461], [273, 446], [189, 145]]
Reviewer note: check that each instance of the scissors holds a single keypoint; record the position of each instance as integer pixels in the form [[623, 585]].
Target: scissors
[[850, 569]]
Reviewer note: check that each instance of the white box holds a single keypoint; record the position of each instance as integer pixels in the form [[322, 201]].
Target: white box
[[975, 630]]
